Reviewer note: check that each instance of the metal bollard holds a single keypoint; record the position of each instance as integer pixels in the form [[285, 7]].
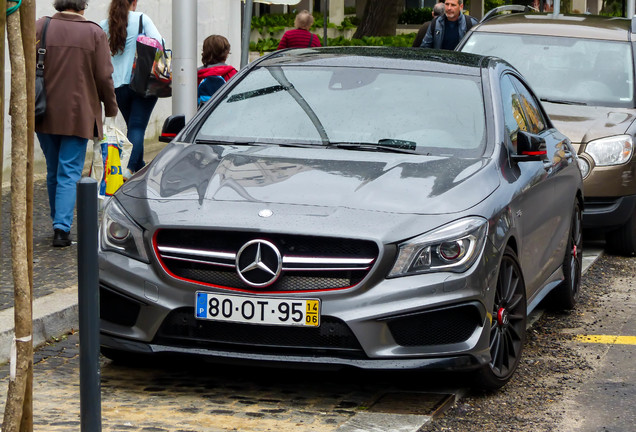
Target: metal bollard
[[88, 304]]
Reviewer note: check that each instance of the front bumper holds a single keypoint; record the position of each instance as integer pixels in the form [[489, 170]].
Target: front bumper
[[608, 213], [433, 321], [450, 363]]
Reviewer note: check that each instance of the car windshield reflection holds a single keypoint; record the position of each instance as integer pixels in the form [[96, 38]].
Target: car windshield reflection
[[345, 107], [574, 70]]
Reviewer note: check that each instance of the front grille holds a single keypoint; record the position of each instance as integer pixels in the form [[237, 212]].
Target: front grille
[[307, 263], [181, 328], [438, 327], [117, 308]]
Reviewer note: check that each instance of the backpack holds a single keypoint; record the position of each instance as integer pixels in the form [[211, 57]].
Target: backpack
[[469, 23]]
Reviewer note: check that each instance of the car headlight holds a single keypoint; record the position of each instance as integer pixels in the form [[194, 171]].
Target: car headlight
[[584, 166], [118, 233], [608, 151], [453, 247]]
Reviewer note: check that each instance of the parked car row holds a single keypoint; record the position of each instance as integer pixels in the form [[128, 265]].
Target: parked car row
[[378, 208]]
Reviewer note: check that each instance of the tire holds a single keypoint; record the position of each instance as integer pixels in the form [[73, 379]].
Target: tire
[[566, 294], [622, 241], [508, 325]]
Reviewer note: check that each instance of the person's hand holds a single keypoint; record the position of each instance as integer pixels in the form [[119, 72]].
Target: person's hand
[[110, 121]]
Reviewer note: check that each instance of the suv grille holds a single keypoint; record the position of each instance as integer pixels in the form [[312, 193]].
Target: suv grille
[[306, 263], [181, 328]]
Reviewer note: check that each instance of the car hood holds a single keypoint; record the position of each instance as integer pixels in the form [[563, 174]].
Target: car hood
[[321, 177], [583, 124]]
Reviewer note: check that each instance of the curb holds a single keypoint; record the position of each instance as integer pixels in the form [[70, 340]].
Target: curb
[[53, 315]]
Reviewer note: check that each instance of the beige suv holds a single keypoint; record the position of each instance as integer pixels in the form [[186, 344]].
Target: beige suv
[[582, 68]]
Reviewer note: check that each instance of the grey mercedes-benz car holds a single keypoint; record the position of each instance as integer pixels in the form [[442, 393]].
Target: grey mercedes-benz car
[[367, 207]]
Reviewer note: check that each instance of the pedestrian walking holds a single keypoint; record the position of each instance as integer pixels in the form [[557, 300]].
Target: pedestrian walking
[[446, 31], [122, 28], [438, 10], [77, 79], [214, 72], [300, 36]]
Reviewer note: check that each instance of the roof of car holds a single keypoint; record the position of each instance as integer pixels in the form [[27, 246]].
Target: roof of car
[[380, 58], [580, 26]]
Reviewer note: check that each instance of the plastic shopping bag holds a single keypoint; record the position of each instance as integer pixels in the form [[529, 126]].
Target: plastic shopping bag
[[110, 158]]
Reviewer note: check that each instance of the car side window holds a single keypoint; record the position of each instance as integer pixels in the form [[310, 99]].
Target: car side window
[[514, 117], [534, 116]]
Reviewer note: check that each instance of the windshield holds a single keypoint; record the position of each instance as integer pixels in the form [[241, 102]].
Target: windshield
[[562, 69], [352, 108]]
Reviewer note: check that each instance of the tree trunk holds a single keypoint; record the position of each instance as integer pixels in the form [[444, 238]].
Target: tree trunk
[[379, 19], [3, 23], [21, 365], [27, 26]]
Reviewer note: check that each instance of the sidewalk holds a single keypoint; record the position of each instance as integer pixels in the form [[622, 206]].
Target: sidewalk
[[54, 272]]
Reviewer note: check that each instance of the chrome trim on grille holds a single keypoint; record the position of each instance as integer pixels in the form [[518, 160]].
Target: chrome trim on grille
[[197, 252]]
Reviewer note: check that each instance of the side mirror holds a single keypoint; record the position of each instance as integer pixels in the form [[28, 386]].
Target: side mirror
[[530, 147], [171, 127]]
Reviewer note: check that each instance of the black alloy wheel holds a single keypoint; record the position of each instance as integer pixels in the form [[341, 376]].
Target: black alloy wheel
[[508, 325], [566, 294]]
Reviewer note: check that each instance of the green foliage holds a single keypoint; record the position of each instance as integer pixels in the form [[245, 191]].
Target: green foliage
[[415, 16], [350, 10], [404, 40], [491, 4], [267, 22], [612, 8], [264, 45]]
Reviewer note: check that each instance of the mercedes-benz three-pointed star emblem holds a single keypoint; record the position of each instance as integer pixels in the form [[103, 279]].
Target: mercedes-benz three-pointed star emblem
[[259, 263]]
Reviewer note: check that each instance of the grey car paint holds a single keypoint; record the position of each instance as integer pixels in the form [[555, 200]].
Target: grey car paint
[[383, 197]]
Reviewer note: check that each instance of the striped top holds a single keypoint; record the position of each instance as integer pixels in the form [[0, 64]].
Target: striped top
[[298, 38]]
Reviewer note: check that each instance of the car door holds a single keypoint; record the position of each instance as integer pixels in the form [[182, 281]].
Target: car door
[[536, 206]]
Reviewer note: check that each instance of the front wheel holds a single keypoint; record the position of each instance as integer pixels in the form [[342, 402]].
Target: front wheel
[[567, 293], [508, 325]]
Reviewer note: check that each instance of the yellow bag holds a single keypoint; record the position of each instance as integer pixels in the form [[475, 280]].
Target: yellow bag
[[113, 178], [110, 156]]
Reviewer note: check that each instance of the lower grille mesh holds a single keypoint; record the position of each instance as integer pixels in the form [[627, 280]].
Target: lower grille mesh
[[439, 327], [181, 328]]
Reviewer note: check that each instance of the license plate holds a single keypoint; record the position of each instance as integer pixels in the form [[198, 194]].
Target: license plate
[[258, 310]]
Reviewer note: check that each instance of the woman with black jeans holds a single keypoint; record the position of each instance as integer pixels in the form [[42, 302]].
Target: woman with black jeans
[[122, 28]]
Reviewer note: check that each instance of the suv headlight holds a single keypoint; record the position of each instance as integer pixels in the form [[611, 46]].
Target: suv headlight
[[608, 151], [454, 247], [118, 233]]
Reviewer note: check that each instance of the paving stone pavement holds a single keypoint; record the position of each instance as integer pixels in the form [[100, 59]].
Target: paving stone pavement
[[53, 268], [201, 397]]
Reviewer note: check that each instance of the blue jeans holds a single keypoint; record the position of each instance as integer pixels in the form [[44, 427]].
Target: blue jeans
[[136, 111], [64, 163]]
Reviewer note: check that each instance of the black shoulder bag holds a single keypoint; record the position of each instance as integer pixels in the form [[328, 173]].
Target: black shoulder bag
[[40, 92]]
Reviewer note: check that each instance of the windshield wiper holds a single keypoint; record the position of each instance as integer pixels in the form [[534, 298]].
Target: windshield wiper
[[223, 142], [563, 102], [389, 145]]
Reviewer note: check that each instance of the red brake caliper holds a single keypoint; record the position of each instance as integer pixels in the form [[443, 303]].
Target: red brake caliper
[[501, 313]]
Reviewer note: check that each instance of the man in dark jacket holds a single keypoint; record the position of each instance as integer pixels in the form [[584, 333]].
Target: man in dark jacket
[[438, 10], [448, 28]]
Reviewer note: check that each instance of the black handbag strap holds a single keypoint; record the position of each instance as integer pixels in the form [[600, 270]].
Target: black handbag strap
[[141, 25], [311, 39], [39, 67]]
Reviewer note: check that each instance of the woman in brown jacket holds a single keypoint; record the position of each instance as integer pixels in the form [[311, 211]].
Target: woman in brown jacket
[[77, 78]]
